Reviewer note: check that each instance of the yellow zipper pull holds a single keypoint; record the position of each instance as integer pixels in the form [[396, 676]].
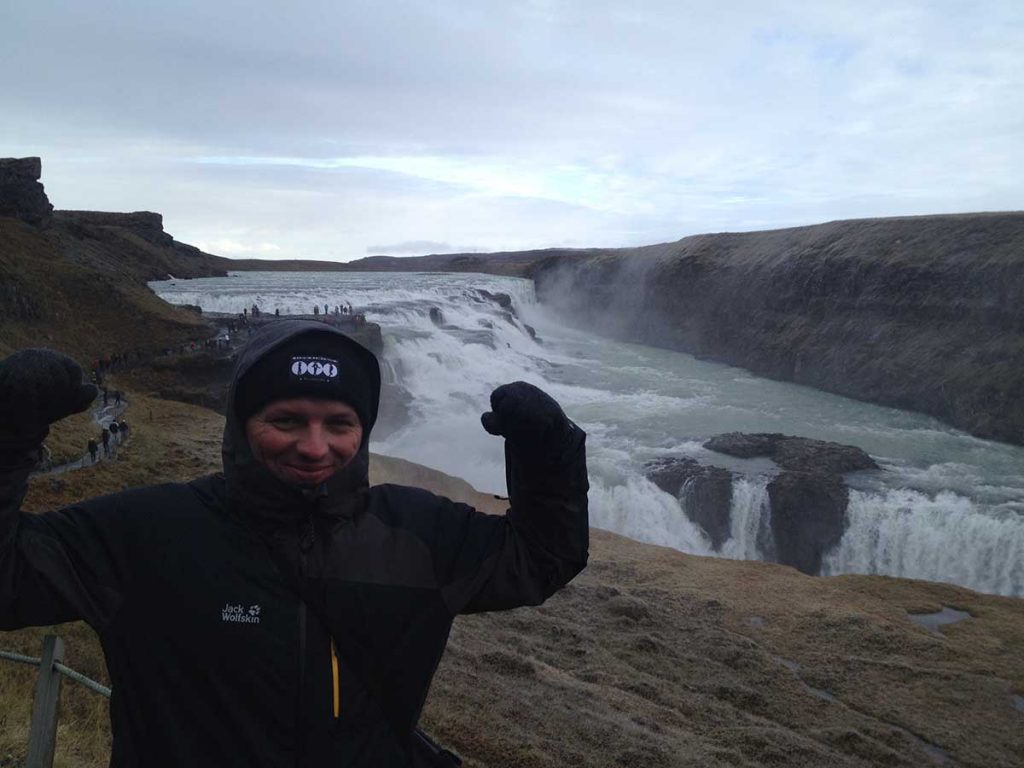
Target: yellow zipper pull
[[337, 683]]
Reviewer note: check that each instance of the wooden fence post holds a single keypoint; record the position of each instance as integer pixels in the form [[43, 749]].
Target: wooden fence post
[[42, 736]]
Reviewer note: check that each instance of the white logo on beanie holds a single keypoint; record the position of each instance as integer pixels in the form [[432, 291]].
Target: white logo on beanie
[[315, 368]]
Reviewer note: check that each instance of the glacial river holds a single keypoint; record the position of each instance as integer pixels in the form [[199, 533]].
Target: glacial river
[[945, 507]]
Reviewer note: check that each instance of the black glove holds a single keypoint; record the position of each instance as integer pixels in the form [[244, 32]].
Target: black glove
[[37, 388], [530, 419]]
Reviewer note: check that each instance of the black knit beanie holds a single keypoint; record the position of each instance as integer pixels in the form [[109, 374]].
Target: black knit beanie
[[316, 364]]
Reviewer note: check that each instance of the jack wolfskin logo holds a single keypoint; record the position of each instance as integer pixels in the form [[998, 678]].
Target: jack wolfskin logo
[[322, 368], [239, 614]]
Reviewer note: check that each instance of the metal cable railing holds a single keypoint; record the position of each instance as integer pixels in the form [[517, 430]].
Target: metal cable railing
[[78, 677], [43, 730], [11, 656]]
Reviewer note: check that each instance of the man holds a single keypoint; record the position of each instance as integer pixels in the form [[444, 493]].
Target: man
[[283, 613]]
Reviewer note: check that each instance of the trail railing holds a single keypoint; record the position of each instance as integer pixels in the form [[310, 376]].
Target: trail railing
[[42, 735]]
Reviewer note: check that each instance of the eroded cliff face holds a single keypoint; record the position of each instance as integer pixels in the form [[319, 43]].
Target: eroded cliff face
[[922, 313], [144, 224]]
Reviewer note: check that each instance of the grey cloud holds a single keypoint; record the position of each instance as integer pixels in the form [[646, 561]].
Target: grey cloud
[[680, 118]]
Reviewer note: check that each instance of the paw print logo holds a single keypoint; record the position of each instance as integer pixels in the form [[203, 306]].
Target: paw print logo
[[254, 610]]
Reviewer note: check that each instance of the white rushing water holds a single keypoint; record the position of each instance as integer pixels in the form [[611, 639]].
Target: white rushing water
[[946, 507]]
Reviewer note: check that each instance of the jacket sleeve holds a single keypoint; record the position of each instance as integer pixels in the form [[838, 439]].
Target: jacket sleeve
[[537, 547], [57, 566]]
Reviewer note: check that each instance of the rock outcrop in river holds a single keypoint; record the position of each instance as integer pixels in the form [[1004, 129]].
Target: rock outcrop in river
[[704, 492], [808, 497], [922, 313]]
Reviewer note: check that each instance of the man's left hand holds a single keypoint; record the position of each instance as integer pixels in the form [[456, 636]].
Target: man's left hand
[[528, 418]]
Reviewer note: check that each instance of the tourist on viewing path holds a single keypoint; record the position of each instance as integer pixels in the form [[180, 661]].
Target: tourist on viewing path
[[283, 612]]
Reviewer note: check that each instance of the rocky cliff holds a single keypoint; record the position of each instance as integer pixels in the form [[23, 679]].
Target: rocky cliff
[[21, 195], [134, 244], [922, 313], [145, 224], [75, 279]]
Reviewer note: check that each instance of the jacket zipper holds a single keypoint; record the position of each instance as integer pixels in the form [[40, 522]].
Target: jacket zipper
[[306, 541], [302, 678], [305, 545]]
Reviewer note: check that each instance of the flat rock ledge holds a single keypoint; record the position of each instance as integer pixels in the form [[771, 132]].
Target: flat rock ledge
[[796, 454]]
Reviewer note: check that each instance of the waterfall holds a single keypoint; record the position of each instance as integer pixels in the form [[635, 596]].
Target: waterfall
[[750, 520], [638, 509], [941, 538]]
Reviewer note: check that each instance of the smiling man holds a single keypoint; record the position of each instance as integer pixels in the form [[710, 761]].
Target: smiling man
[[283, 613], [304, 440]]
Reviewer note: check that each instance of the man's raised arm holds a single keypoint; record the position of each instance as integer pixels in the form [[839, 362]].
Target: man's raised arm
[[37, 388], [543, 541]]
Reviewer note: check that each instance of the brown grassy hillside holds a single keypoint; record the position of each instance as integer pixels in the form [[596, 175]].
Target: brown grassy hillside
[[81, 296]]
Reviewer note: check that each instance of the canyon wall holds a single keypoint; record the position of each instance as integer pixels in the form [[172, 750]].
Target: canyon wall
[[921, 313]]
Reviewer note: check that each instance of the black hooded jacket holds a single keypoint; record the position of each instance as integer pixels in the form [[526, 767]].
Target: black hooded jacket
[[248, 623]]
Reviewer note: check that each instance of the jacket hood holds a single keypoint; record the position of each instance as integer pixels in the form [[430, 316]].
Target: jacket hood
[[253, 492]]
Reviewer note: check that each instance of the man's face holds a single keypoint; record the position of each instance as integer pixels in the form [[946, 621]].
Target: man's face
[[304, 441]]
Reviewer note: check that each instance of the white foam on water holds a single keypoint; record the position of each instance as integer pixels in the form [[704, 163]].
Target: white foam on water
[[750, 516], [640, 510], [937, 538]]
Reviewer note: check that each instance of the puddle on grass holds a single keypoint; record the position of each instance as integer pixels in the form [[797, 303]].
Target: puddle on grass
[[938, 755], [821, 693], [792, 666], [818, 693], [932, 621]]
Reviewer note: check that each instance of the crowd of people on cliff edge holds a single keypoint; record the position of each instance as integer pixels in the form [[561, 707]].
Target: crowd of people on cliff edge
[[341, 314]]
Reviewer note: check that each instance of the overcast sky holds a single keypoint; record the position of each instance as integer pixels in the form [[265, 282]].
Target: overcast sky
[[336, 130]]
